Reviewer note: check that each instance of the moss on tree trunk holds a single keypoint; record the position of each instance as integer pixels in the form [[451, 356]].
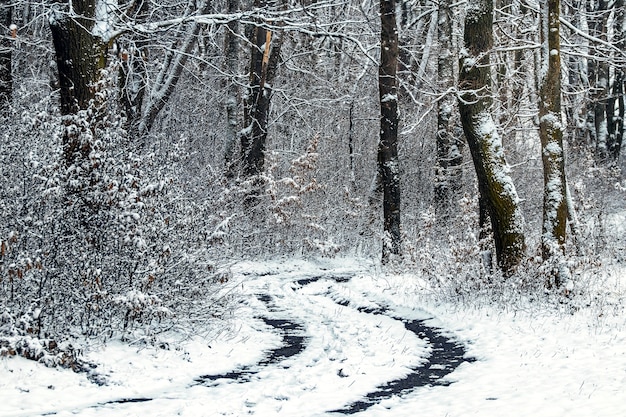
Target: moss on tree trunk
[[551, 134], [494, 182]]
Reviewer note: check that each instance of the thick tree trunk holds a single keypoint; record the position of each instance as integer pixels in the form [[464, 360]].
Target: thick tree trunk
[[551, 134], [80, 55], [257, 105], [6, 77], [494, 182], [388, 165]]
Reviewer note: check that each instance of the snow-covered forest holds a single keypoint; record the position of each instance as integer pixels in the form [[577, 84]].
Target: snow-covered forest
[[177, 176]]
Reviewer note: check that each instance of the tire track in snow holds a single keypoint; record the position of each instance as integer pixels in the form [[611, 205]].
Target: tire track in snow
[[292, 344], [447, 354]]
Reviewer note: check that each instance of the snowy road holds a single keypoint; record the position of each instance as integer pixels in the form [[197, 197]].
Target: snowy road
[[323, 348], [445, 354]]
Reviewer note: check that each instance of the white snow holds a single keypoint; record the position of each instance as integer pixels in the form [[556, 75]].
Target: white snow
[[389, 97], [533, 359], [553, 148], [103, 26], [552, 121]]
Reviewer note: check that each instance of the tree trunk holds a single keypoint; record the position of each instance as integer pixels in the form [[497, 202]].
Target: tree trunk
[[231, 66], [617, 137], [551, 134], [494, 182], [132, 86], [80, 55], [388, 165], [141, 104], [449, 156], [576, 81], [6, 77], [504, 77], [616, 100], [264, 54], [170, 73], [133, 72], [598, 73]]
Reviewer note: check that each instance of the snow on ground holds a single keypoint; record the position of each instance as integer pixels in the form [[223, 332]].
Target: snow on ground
[[531, 360]]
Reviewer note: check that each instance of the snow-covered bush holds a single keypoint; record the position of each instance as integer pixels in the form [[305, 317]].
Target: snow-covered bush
[[287, 217], [19, 337], [103, 242]]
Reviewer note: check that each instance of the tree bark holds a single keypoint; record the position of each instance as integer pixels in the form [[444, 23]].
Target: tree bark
[[80, 56], [231, 66], [6, 77], [616, 101], [264, 55], [388, 164], [551, 134], [449, 156], [494, 182]]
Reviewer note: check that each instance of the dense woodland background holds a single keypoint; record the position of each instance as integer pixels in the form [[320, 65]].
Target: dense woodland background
[[149, 145]]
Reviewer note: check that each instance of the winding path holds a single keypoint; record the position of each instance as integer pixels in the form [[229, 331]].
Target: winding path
[[446, 355], [278, 304], [292, 344]]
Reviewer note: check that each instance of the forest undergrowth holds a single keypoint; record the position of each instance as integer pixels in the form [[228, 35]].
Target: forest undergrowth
[[456, 267]]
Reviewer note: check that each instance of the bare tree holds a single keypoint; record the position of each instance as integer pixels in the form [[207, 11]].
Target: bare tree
[[616, 101], [551, 134], [133, 71], [388, 164], [233, 99], [577, 82], [265, 47], [449, 157], [598, 73], [172, 67]]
